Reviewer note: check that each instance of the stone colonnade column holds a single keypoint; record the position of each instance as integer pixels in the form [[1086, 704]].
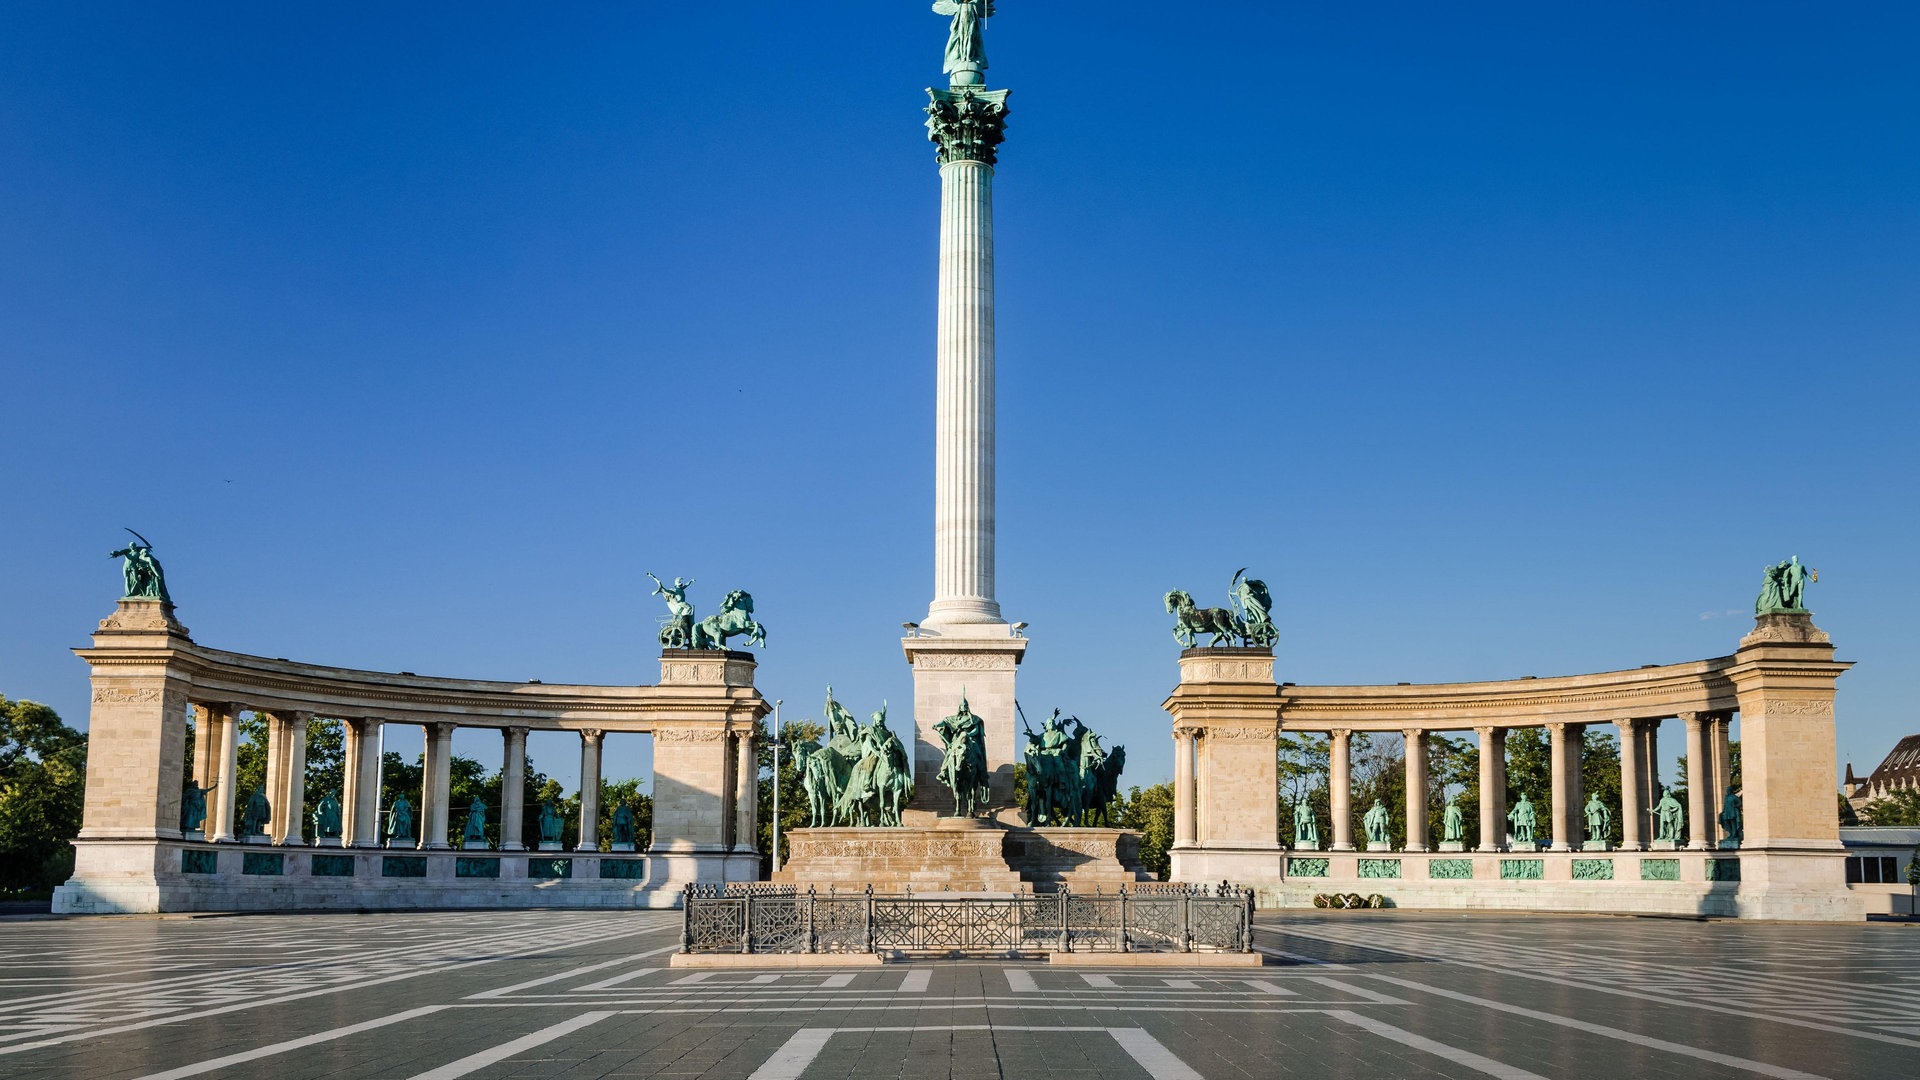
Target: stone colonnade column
[[589, 790], [1650, 763], [288, 790], [350, 781], [220, 807], [438, 783], [1416, 767], [1340, 784], [1699, 782], [1633, 806], [746, 792], [1722, 753], [1183, 795], [1561, 822], [1576, 785], [513, 789], [1493, 788], [206, 746], [275, 778], [366, 813]]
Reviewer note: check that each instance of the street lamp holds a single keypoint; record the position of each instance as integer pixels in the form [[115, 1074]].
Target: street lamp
[[776, 784]]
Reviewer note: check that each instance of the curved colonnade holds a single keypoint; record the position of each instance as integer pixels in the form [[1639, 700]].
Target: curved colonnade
[[1228, 715], [148, 675]]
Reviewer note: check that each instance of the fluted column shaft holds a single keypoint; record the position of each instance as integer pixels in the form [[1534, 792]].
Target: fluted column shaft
[[1416, 767], [221, 810], [964, 426], [1340, 787], [1561, 819], [1493, 788], [513, 789], [1722, 753], [1699, 781], [1183, 794], [746, 792], [365, 831], [290, 802], [439, 785], [206, 748], [1633, 806], [350, 782], [589, 791]]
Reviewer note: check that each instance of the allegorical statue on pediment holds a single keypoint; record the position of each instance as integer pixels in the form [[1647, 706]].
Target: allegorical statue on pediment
[[1783, 588], [145, 579]]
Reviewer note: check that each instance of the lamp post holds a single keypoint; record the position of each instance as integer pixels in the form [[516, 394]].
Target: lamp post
[[776, 784]]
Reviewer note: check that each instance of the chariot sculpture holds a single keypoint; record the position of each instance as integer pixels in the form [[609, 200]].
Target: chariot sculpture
[[679, 629], [1248, 621]]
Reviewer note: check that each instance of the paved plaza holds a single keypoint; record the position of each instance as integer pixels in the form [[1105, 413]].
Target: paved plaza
[[1387, 994]]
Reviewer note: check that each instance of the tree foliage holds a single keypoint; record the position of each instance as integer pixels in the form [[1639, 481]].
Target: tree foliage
[[1150, 811], [1900, 807], [43, 779]]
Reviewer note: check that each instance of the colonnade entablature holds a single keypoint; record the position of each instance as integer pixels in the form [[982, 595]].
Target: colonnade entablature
[[150, 679], [1774, 836]]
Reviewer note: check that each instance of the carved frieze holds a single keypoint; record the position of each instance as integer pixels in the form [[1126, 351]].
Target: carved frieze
[[688, 735], [1798, 707], [1241, 734], [932, 661], [128, 695]]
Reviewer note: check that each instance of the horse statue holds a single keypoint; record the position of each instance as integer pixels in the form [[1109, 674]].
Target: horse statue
[[1190, 621], [1106, 788], [1250, 598], [816, 778], [735, 619], [963, 765]]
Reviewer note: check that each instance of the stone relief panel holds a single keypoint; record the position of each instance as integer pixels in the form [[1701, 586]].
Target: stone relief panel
[[688, 735], [962, 662], [1818, 707]]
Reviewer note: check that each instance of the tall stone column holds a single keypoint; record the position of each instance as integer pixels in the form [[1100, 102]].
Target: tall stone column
[[1416, 767], [1493, 788], [1699, 782], [589, 790], [350, 773], [1633, 792], [220, 805], [1576, 785], [290, 803], [746, 792], [1340, 787], [206, 750], [1185, 795], [274, 781], [366, 822], [439, 784], [1650, 764], [1722, 754], [513, 789], [1561, 818]]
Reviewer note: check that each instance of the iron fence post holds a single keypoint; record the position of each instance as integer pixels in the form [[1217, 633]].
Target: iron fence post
[[1247, 922], [866, 933], [1066, 931], [686, 919], [812, 940], [1186, 923], [746, 921]]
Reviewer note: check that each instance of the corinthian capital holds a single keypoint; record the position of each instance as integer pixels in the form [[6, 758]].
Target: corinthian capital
[[967, 124]]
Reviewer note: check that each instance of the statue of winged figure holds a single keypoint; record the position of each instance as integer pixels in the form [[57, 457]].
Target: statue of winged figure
[[966, 48]]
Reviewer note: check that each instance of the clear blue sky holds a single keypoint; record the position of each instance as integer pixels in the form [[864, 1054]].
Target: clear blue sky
[[1501, 339]]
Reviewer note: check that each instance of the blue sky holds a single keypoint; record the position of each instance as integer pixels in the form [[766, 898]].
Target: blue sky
[[1500, 339]]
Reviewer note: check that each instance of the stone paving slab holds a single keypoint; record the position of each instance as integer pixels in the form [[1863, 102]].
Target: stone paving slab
[[589, 994]]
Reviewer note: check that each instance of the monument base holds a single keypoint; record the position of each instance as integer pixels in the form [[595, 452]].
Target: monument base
[[962, 855], [1596, 845], [1665, 845], [1379, 845], [257, 838], [325, 841], [1524, 845], [551, 845], [1729, 845], [1452, 845], [474, 845], [618, 846]]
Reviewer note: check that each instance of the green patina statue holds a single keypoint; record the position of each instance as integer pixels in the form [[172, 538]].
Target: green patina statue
[[1524, 819], [1377, 824], [623, 824], [1783, 588], [1669, 818], [676, 630], [550, 823], [966, 60], [1072, 779], [1599, 820], [859, 778], [145, 579], [1191, 620], [476, 830], [326, 818], [1306, 827], [253, 821], [963, 762], [1255, 606], [735, 619], [193, 806], [1730, 817], [1453, 823], [400, 820]]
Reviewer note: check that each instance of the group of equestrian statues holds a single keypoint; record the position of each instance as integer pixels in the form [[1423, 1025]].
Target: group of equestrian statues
[[860, 777], [1072, 779]]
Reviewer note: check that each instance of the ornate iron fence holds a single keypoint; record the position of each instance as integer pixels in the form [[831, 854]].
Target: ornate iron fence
[[1205, 918]]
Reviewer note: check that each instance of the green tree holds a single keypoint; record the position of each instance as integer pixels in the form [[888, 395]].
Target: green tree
[[1901, 808], [326, 768], [1302, 770], [615, 792], [793, 797], [43, 779], [1599, 775], [1149, 810]]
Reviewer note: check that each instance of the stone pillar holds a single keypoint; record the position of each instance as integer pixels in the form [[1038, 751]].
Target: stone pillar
[[513, 789], [1699, 782], [1183, 794], [589, 790], [1650, 761], [1576, 785], [694, 767], [1229, 707], [746, 792], [1416, 767], [274, 780], [975, 662], [438, 782], [1493, 788], [290, 801], [1633, 792], [206, 748], [1340, 787], [366, 820], [1557, 744], [350, 773], [221, 803]]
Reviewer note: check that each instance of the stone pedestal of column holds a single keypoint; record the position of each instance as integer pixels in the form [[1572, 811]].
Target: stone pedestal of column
[[979, 662]]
